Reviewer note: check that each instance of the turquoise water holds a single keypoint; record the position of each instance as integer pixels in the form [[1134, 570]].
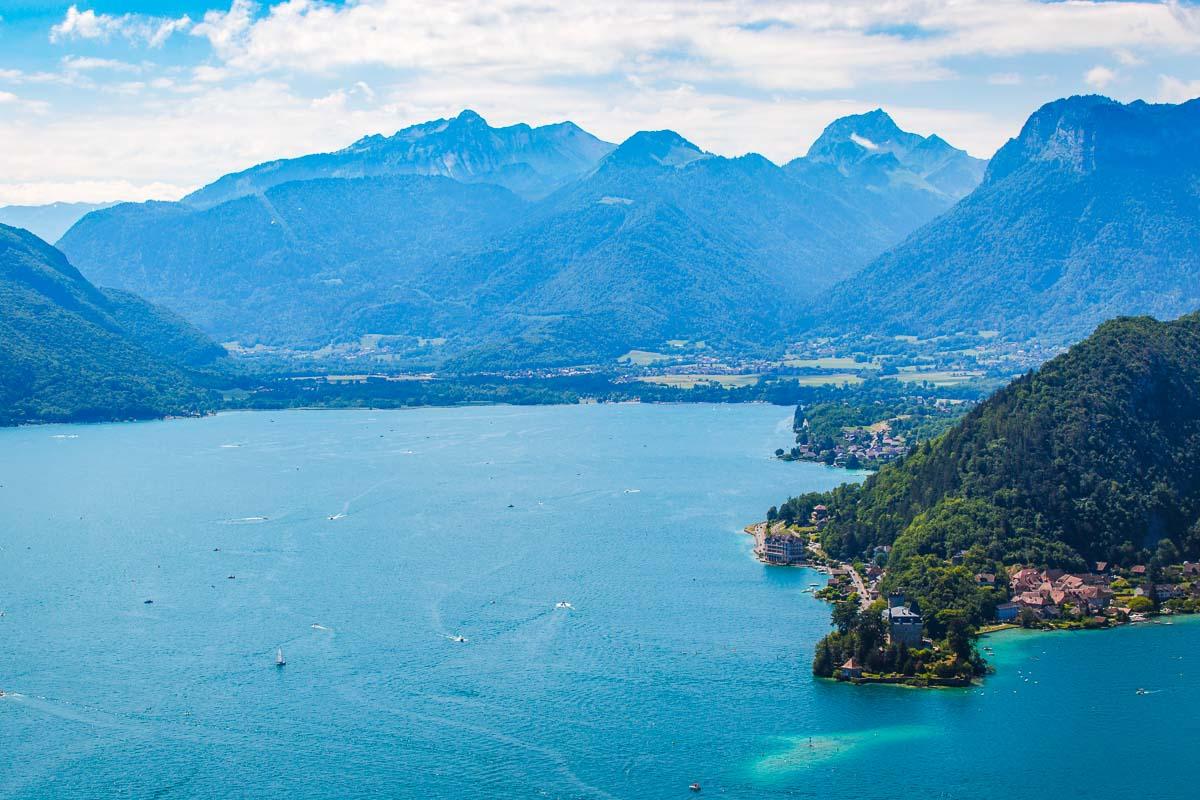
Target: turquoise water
[[682, 658]]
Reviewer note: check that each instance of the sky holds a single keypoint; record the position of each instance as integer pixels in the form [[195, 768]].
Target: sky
[[105, 100]]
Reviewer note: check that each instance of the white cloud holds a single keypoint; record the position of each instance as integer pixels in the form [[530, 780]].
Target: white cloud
[[136, 28], [206, 73], [10, 100], [1004, 79], [816, 45], [1099, 76], [83, 63], [286, 77], [223, 28], [1127, 59], [1174, 90], [366, 91]]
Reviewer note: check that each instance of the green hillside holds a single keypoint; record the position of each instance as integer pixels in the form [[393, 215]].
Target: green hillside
[[69, 351], [1090, 458]]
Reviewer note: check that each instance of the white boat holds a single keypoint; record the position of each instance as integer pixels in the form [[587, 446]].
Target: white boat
[[564, 604], [279, 662]]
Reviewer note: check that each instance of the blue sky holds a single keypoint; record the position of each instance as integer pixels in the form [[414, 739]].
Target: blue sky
[[134, 99]]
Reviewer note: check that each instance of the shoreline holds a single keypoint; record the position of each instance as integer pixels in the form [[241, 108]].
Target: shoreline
[[582, 401], [1164, 618]]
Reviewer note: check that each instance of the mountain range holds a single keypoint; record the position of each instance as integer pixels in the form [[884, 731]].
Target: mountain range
[[1091, 212], [72, 352], [48, 221], [453, 242], [530, 162]]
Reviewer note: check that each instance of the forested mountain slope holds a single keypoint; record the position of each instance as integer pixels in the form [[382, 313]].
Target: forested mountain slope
[[69, 351], [1092, 457], [1092, 212]]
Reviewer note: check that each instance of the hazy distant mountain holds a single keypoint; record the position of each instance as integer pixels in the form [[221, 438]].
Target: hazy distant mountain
[[902, 179], [531, 162], [1090, 213], [294, 264], [654, 240], [50, 221], [70, 351], [663, 241]]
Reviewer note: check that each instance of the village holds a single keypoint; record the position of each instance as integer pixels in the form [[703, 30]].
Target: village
[[859, 448], [1024, 596]]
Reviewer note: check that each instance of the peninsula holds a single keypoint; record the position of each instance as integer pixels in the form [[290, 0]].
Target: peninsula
[[1068, 499]]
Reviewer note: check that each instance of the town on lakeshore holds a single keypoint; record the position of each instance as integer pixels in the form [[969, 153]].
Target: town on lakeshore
[[903, 652]]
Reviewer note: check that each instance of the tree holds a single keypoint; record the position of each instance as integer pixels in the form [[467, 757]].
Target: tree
[[1140, 604], [823, 661], [958, 634], [845, 615]]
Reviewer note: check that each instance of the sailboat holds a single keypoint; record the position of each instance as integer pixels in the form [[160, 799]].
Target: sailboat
[[279, 662]]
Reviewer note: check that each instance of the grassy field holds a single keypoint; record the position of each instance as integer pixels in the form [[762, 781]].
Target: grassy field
[[830, 362], [688, 381], [643, 358], [832, 379], [943, 378]]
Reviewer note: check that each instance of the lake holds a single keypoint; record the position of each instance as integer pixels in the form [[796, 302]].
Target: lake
[[362, 543]]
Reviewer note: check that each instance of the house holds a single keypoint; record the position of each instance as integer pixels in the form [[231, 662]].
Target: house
[[1037, 603], [1069, 583], [1101, 567], [1093, 598], [985, 579], [850, 670], [904, 625], [1025, 580], [1139, 570], [1007, 612], [1191, 568], [1166, 591], [783, 547]]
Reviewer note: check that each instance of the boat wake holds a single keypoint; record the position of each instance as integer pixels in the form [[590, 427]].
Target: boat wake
[[65, 436], [243, 521], [316, 626]]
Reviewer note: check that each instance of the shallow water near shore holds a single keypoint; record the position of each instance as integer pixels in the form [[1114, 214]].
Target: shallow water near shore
[[363, 542]]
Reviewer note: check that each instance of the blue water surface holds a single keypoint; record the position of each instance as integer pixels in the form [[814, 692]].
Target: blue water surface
[[362, 542]]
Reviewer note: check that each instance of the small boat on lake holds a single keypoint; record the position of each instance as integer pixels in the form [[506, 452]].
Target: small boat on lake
[[564, 604], [695, 787], [279, 662]]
